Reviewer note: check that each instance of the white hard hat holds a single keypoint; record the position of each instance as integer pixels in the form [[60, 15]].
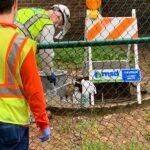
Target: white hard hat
[[66, 16], [64, 10]]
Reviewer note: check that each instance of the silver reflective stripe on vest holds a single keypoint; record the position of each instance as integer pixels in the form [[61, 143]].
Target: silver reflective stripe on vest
[[11, 91], [22, 28], [33, 19], [12, 58]]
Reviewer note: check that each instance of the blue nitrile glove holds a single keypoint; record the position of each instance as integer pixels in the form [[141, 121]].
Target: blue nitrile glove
[[44, 135], [52, 78]]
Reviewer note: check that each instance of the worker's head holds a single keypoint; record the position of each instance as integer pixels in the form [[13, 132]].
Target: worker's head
[[8, 6], [60, 15]]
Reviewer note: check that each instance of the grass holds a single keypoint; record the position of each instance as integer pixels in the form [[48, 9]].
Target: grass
[[147, 137], [132, 146], [147, 119], [100, 131], [88, 133], [66, 58], [74, 57], [105, 146], [147, 116], [80, 124], [96, 146]]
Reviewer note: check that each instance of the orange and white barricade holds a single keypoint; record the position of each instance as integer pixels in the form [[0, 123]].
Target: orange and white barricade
[[112, 28]]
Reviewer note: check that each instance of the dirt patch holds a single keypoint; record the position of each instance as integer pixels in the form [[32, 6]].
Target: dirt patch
[[122, 128]]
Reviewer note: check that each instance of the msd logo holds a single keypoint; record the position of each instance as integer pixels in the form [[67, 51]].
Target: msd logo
[[106, 73]]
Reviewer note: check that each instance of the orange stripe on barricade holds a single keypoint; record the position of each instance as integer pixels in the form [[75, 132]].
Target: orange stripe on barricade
[[122, 27], [97, 28], [135, 35]]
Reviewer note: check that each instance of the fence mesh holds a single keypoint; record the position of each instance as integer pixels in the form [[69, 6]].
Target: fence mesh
[[111, 118]]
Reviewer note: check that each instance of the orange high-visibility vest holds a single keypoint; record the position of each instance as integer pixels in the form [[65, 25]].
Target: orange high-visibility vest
[[13, 50]]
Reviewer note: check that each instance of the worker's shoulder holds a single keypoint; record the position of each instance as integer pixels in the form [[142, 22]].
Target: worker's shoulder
[[26, 41], [33, 9], [32, 43]]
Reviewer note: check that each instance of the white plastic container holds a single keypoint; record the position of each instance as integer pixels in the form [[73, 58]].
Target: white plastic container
[[87, 88]]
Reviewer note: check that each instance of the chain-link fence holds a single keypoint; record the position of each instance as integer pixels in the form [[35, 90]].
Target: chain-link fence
[[100, 98]]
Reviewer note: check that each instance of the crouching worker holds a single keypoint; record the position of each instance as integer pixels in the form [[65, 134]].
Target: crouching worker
[[20, 85], [40, 25]]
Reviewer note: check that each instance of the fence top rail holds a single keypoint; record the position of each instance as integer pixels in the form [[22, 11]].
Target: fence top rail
[[85, 43]]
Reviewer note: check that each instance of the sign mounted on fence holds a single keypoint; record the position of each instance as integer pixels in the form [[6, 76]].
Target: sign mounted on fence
[[132, 75], [116, 75]]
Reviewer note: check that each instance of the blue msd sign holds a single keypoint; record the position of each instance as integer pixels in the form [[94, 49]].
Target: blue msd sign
[[116, 75]]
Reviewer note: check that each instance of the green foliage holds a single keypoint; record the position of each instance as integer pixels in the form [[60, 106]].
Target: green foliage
[[105, 146], [133, 146], [147, 116], [74, 57], [96, 146], [147, 137], [68, 57], [108, 53], [67, 127], [39, 61]]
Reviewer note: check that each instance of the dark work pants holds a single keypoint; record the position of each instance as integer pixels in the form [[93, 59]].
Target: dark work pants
[[13, 137]]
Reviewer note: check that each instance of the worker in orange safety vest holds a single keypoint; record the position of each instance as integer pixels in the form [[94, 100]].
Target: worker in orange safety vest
[[20, 85]]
